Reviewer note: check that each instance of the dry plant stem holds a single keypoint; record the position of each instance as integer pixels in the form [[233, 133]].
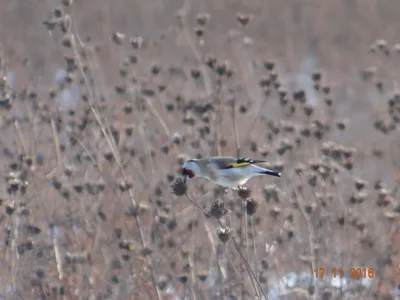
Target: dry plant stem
[[217, 119], [192, 43], [250, 271], [158, 116], [237, 272], [56, 141], [312, 238], [115, 154], [57, 254], [247, 239], [192, 261], [253, 279], [254, 247], [142, 136], [237, 146], [221, 269], [259, 109], [15, 256], [19, 135]]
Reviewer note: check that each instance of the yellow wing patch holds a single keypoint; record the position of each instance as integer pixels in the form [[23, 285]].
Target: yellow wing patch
[[240, 164]]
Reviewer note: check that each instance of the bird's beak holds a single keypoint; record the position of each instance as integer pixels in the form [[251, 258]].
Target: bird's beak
[[185, 177]]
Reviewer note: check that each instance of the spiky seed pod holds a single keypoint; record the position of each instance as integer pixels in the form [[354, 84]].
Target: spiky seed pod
[[218, 209], [195, 73], [202, 276], [243, 19], [137, 42], [199, 32], [202, 19], [360, 184], [358, 198], [309, 209], [224, 234], [264, 82], [183, 278], [275, 212], [118, 38], [127, 245], [308, 110], [316, 76], [211, 61], [179, 188], [379, 86], [244, 192], [251, 206], [155, 69], [328, 101], [76, 257], [269, 65], [146, 251]]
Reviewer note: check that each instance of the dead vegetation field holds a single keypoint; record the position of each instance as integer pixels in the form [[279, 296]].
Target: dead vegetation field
[[102, 102]]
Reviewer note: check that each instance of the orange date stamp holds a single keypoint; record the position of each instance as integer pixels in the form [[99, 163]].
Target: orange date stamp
[[352, 273]]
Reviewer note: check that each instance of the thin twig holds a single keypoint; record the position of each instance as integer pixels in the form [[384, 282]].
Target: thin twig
[[56, 141]]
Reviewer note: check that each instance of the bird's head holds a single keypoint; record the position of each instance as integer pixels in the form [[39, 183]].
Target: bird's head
[[190, 170]]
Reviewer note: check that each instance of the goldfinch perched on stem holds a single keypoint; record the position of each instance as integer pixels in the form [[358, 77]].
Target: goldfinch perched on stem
[[226, 171]]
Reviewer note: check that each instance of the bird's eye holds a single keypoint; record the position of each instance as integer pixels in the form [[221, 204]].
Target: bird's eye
[[188, 173]]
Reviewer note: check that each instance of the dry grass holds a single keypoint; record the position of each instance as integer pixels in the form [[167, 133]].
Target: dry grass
[[90, 205]]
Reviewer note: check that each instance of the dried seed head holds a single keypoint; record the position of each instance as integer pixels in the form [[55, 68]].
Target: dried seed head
[[275, 212], [309, 209], [316, 76], [127, 245], [155, 69], [269, 65], [137, 42], [328, 101], [251, 206], [146, 251], [264, 82], [243, 19], [76, 257], [224, 234], [199, 32], [379, 86], [125, 185], [66, 42], [341, 220], [271, 192], [360, 184], [10, 208], [202, 19], [179, 188], [183, 278], [202, 276], [118, 38], [244, 192], [300, 96], [381, 44], [211, 60], [357, 198], [195, 73], [218, 209], [308, 110]]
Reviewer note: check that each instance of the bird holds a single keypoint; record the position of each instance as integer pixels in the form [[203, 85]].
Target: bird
[[226, 171]]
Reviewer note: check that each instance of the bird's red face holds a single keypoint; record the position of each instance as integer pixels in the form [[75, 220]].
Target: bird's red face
[[187, 172]]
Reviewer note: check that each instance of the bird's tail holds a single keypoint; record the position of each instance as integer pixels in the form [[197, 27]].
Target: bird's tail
[[270, 172]]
